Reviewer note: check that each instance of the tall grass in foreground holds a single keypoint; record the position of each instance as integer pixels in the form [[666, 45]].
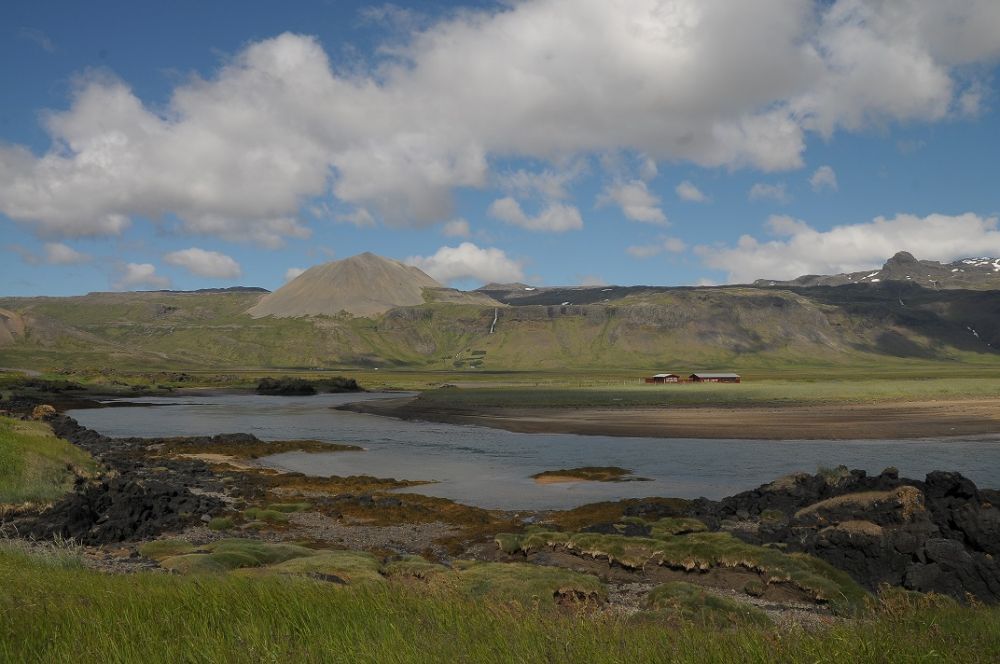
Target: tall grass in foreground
[[50, 613]]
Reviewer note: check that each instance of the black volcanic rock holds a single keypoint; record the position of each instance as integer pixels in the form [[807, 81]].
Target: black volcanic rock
[[941, 534]]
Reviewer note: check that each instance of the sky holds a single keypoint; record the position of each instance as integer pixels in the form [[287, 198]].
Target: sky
[[553, 142]]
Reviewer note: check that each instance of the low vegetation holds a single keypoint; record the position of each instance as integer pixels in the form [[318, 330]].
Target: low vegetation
[[678, 601], [696, 552], [292, 386], [251, 449], [763, 392], [588, 474], [57, 611], [35, 466]]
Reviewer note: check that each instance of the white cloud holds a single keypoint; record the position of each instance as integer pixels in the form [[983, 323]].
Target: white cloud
[[666, 243], [775, 192], [712, 82], [554, 217], [359, 217], [644, 250], [205, 263], [688, 192], [293, 272], [57, 253], [549, 184], [636, 201], [800, 249], [140, 275], [467, 261], [456, 228], [648, 169], [824, 178]]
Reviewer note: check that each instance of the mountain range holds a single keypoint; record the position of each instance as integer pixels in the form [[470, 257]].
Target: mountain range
[[370, 311], [968, 273]]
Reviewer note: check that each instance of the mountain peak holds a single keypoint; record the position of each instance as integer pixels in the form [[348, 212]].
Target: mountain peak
[[902, 258], [363, 285]]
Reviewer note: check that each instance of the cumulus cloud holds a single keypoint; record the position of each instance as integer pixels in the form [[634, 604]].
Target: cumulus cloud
[[293, 272], [688, 192], [55, 253], [140, 275], [800, 249], [636, 202], [205, 263], [713, 82], [548, 184], [554, 217], [672, 245], [467, 261], [456, 228], [774, 192], [824, 178]]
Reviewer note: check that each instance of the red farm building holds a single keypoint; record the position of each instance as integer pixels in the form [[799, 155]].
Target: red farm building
[[664, 378]]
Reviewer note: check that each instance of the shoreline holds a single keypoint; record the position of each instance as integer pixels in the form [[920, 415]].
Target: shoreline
[[878, 421]]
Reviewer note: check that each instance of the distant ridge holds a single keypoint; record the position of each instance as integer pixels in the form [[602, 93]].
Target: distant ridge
[[362, 285], [967, 273]]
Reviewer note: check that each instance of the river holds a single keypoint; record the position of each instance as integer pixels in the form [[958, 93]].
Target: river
[[492, 468]]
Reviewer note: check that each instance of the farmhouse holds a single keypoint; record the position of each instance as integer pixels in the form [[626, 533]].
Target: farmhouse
[[664, 378], [714, 378]]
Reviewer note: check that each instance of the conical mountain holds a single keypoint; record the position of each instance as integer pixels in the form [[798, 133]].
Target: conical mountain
[[363, 285]]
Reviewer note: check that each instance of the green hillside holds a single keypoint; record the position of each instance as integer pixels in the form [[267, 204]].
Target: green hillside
[[640, 328]]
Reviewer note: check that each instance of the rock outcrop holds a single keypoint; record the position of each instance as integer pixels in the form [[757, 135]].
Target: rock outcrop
[[941, 534]]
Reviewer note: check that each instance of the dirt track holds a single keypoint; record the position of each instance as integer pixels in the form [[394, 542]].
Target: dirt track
[[905, 419]]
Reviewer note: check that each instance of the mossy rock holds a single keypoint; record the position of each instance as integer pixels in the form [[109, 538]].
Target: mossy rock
[[524, 583], [166, 548], [688, 602]]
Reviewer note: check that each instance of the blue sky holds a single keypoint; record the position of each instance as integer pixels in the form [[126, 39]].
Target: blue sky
[[191, 145]]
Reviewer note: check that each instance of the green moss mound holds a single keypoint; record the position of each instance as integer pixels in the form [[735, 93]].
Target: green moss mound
[[221, 523], [231, 554], [265, 515], [349, 567], [699, 551], [686, 601], [525, 584]]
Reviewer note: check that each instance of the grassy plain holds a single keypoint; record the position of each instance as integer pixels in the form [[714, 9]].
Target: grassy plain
[[55, 610]]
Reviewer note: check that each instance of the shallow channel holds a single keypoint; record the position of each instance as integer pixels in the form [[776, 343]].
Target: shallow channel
[[492, 468]]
